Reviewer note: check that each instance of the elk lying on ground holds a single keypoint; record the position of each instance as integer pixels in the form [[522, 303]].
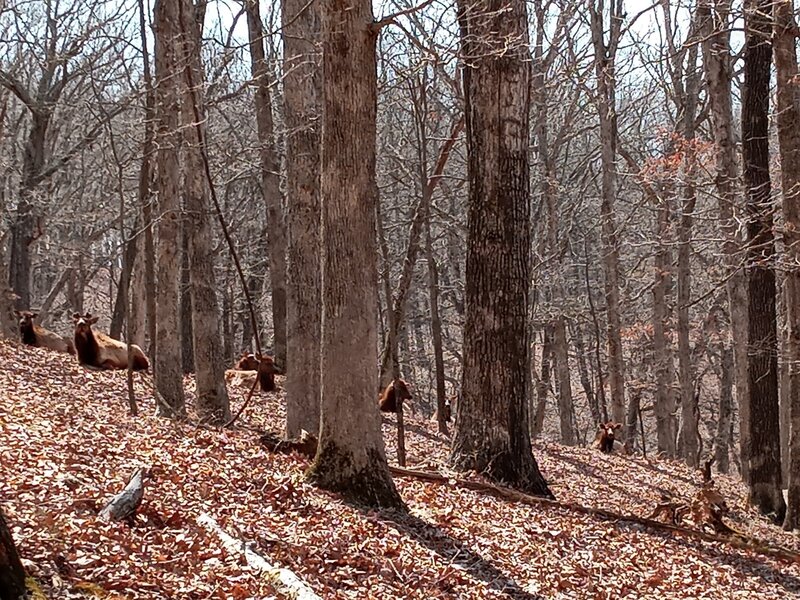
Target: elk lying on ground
[[388, 398], [35, 335], [250, 367], [606, 440], [96, 349]]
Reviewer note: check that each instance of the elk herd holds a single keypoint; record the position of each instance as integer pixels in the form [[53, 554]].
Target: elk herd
[[100, 351]]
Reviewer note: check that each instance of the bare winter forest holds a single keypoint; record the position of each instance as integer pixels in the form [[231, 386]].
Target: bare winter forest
[[493, 298]]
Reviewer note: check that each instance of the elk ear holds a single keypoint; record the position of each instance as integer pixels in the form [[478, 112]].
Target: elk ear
[[34, 315], [76, 316], [16, 312], [93, 320], [617, 425]]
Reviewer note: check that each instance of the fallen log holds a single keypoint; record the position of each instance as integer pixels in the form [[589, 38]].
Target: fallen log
[[124, 505], [284, 580], [738, 541]]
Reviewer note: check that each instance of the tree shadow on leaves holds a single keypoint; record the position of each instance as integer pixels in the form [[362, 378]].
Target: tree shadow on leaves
[[768, 570], [457, 553]]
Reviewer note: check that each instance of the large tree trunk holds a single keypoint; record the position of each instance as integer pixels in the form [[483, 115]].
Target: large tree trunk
[[491, 434], [212, 395], [169, 62], [12, 574], [717, 64], [301, 97], [762, 368], [351, 457], [604, 60], [789, 141], [270, 178]]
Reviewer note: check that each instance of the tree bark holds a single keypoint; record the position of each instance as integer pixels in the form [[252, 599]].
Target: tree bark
[[718, 71], [605, 58], [167, 365], [566, 411], [351, 457], [789, 142], [186, 329], [212, 396], [690, 412], [543, 382], [725, 416], [491, 435], [762, 367], [302, 112], [12, 574], [665, 407], [270, 179]]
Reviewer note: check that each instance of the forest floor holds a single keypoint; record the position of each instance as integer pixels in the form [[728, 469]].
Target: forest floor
[[68, 444]]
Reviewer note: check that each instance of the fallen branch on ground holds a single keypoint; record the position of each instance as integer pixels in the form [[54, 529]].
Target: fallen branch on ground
[[125, 504], [284, 580], [739, 541]]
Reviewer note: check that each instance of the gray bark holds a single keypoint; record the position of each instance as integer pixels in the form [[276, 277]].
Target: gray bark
[[302, 112], [167, 365], [491, 434], [351, 457], [212, 395]]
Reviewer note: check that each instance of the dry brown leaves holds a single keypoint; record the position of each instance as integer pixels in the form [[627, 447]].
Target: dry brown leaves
[[67, 445]]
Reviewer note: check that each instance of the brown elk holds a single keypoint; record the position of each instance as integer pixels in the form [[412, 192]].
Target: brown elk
[[96, 349], [605, 439], [388, 398], [35, 335], [251, 366]]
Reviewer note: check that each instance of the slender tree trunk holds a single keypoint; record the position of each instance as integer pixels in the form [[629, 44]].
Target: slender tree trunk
[[212, 395], [351, 457], [491, 436], [167, 364], [583, 371], [302, 97], [543, 383], [690, 412], [270, 179], [12, 573], [436, 331], [605, 69], [718, 71], [566, 411], [144, 287], [186, 329], [762, 368], [125, 276], [666, 425], [725, 417], [789, 141]]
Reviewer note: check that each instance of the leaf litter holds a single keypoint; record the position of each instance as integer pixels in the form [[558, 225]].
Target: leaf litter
[[68, 444]]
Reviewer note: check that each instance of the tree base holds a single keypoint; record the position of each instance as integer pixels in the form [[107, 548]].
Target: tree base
[[519, 472], [334, 469], [768, 502]]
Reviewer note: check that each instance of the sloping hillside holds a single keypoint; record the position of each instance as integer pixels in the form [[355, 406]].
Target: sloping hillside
[[67, 444]]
